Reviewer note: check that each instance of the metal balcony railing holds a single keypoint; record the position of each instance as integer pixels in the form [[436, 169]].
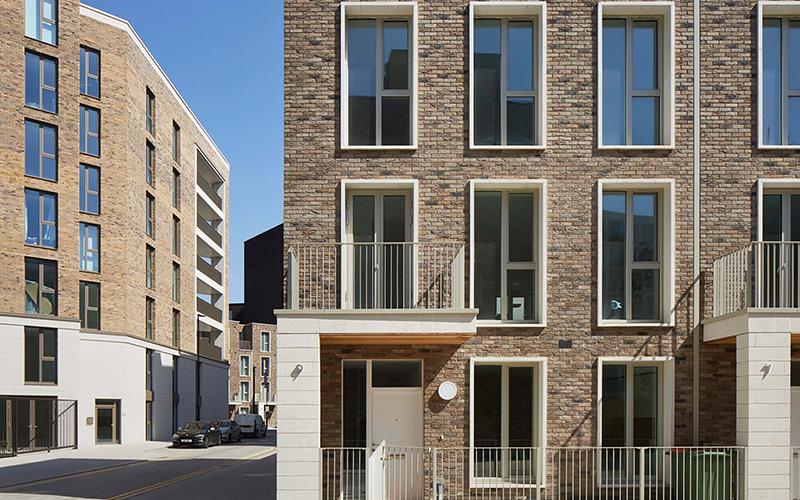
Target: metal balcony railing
[[407, 275], [763, 274]]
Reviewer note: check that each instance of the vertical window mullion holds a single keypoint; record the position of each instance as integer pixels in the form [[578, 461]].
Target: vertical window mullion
[[784, 80], [503, 82], [504, 255], [378, 81]]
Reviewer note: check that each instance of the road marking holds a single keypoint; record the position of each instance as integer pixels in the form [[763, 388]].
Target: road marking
[[70, 475]]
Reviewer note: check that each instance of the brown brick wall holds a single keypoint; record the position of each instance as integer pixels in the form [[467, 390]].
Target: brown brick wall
[[252, 331]]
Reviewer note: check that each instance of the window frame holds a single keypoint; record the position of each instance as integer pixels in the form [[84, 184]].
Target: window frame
[[40, 284], [149, 317], [176, 282], [264, 334], [41, 358], [539, 188], [84, 111], [84, 250], [41, 222], [382, 11], [176, 327], [150, 216], [176, 235], [84, 196], [150, 267], [41, 20], [41, 154], [664, 11], [244, 367], [244, 390], [535, 11], [786, 186], [42, 87], [150, 111], [84, 290], [176, 142], [150, 163], [86, 75], [265, 373], [666, 192], [176, 189]]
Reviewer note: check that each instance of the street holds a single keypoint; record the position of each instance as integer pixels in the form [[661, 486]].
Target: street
[[236, 470]]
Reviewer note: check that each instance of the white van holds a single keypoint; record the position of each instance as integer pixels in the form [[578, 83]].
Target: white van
[[251, 424]]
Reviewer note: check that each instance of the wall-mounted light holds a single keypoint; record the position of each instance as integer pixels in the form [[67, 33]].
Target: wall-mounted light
[[447, 390]]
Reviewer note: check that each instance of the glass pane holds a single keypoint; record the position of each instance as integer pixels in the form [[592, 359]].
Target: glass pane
[[645, 293], [487, 100], [49, 150], [31, 285], [487, 409], [520, 407], [31, 148], [772, 95], [49, 33], [48, 9], [794, 218], [395, 121], [32, 217], [361, 43], [614, 81], [49, 342], [645, 406], [32, 16], [83, 70], [363, 218], [645, 55], [794, 55], [487, 224], [395, 55], [613, 417], [396, 374], [31, 354], [793, 109], [645, 227], [645, 120], [520, 55], [32, 82], [395, 256], [795, 373], [520, 295], [49, 371], [520, 227], [772, 218], [354, 404], [614, 215], [84, 145], [520, 127], [363, 255]]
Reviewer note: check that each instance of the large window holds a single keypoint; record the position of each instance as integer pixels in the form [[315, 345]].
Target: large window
[[150, 112], [90, 189], [90, 131], [90, 305], [41, 352], [41, 286], [41, 19], [89, 236], [244, 391], [150, 163], [244, 366], [90, 72], [176, 142], [636, 74], [176, 282], [41, 150], [150, 216], [378, 77], [41, 82], [507, 75], [41, 210], [264, 341], [149, 318], [780, 81], [265, 367], [150, 267]]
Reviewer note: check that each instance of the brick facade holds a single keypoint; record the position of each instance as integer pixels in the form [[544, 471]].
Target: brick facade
[[241, 337]]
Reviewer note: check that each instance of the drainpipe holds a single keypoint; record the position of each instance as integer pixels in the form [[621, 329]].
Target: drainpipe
[[697, 295], [197, 372]]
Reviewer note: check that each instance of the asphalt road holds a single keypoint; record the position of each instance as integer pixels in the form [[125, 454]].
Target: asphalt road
[[232, 471]]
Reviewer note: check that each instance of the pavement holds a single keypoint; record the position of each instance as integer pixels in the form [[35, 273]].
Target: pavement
[[151, 470]]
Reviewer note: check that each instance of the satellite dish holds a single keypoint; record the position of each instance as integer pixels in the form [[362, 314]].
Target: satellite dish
[[447, 390]]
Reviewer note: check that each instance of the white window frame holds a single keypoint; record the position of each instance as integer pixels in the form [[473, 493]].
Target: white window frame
[[378, 9], [262, 335], [244, 390], [666, 191], [539, 364], [265, 373], [781, 9], [772, 186], [665, 11], [88, 253], [535, 11], [539, 188], [242, 365]]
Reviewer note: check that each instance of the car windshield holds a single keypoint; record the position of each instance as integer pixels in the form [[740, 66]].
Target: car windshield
[[195, 426], [224, 424]]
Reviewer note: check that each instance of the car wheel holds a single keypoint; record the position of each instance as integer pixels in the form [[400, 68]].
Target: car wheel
[[205, 442]]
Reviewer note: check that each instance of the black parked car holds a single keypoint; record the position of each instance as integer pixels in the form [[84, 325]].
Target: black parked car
[[229, 430], [195, 433]]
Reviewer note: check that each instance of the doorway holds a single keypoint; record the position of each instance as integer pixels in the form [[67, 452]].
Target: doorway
[[106, 416]]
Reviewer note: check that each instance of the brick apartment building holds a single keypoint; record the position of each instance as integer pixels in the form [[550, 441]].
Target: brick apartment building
[[115, 237], [252, 376], [518, 235]]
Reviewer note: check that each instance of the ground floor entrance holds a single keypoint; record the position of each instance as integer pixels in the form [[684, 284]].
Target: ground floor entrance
[[107, 419]]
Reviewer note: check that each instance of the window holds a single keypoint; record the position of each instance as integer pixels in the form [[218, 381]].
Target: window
[[90, 189], [150, 267], [90, 131], [176, 142], [150, 317], [150, 163], [508, 251], [379, 75], [41, 286], [89, 247], [507, 74], [176, 236], [90, 305], [244, 366], [150, 216], [150, 112], [778, 207], [41, 351], [265, 367], [176, 282], [507, 411], [779, 75], [176, 189], [40, 218], [265, 392], [176, 327], [40, 20], [636, 268], [635, 51], [41, 150], [90, 72], [264, 341], [244, 391], [41, 82]]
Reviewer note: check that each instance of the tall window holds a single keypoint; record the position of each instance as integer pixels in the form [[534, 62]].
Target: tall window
[[41, 82], [89, 237], [379, 82], [176, 189], [90, 72], [40, 218], [504, 97], [41, 150], [265, 392], [780, 98], [265, 367], [149, 317], [176, 142], [150, 163], [505, 255], [632, 256], [90, 189], [244, 391], [150, 216], [90, 305], [176, 282], [150, 267], [41, 352], [176, 327], [41, 286], [244, 366], [176, 236], [150, 112], [90, 131], [41, 20], [264, 341], [632, 404]]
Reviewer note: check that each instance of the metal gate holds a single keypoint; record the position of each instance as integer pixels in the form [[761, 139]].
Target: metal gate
[[29, 424]]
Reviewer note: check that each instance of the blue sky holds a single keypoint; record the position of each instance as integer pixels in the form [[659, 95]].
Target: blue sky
[[226, 58]]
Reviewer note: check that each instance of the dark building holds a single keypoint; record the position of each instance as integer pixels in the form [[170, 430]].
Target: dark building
[[263, 278]]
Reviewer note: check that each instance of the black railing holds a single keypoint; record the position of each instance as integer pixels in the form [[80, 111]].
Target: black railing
[[37, 424]]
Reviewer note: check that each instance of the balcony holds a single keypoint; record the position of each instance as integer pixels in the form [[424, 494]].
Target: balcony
[[209, 230], [209, 190], [209, 310], [245, 345], [209, 270], [208, 350]]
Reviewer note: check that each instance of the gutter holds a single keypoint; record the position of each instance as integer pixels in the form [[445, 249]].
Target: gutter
[[697, 295]]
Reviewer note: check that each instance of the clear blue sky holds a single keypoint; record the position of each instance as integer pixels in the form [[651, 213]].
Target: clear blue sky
[[226, 58]]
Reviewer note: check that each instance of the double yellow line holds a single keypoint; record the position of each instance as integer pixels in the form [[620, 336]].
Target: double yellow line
[[17, 486]]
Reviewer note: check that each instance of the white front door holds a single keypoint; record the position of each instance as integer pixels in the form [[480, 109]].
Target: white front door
[[397, 422]]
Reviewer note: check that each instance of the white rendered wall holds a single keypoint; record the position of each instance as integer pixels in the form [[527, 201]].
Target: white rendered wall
[[213, 391]]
